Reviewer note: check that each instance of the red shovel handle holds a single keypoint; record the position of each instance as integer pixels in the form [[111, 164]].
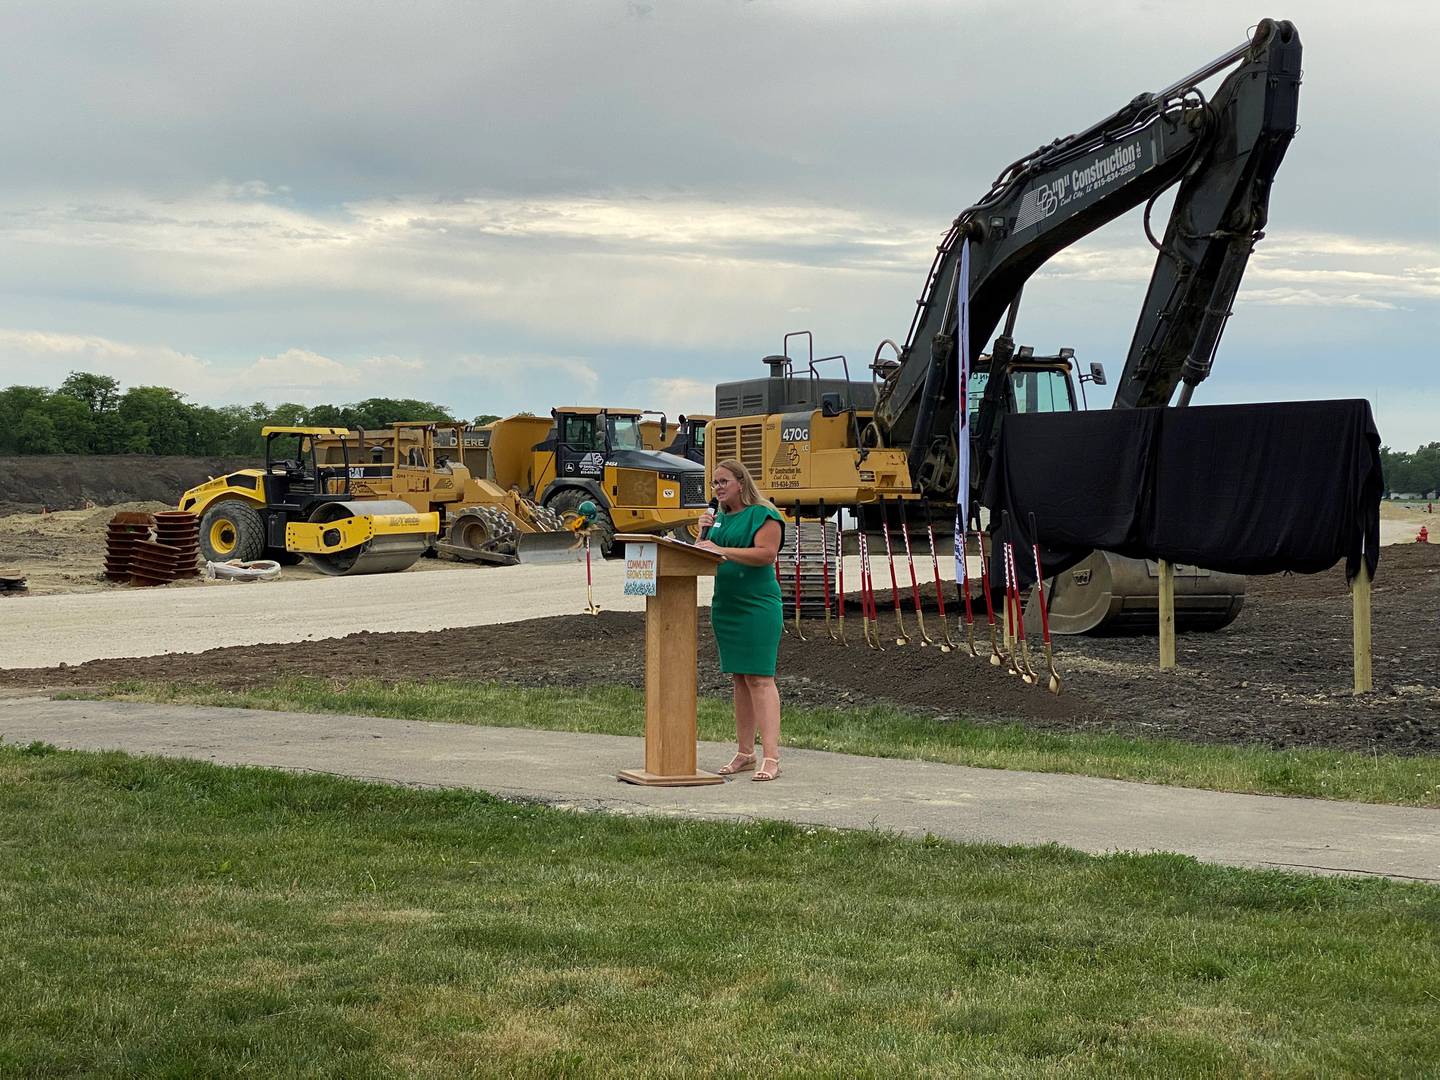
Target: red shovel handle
[[985, 577], [1039, 580], [1040, 593]]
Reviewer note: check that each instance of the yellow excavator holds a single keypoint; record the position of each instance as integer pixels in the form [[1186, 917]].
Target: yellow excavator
[[295, 507], [902, 433]]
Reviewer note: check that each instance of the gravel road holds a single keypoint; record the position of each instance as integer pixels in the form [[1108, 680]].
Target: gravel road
[[45, 631]]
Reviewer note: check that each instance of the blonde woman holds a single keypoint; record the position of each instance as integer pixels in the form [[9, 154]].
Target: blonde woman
[[746, 614]]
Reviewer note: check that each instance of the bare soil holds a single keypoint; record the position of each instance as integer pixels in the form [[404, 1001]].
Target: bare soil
[[63, 551], [1280, 676], [35, 483]]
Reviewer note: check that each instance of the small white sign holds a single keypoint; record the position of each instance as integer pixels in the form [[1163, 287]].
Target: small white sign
[[641, 562]]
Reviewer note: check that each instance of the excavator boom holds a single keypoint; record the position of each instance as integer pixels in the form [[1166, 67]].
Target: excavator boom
[[1220, 154], [1223, 152]]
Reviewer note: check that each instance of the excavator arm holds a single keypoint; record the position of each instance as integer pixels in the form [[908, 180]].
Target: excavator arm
[[1223, 152]]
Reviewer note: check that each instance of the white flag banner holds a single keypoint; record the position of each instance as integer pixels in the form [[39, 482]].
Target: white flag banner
[[962, 406]]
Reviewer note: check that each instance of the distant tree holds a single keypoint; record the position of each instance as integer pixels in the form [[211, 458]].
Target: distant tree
[[156, 420], [35, 433], [209, 431], [1427, 467], [287, 414], [241, 434], [89, 413], [485, 418], [383, 412], [328, 416], [15, 402], [100, 393], [72, 422]]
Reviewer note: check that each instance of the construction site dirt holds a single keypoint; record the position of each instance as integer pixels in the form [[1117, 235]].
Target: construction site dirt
[[1280, 676]]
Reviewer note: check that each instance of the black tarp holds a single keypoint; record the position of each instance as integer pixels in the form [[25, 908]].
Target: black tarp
[[1245, 489]]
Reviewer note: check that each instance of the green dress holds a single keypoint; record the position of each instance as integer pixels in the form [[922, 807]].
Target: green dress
[[745, 613]]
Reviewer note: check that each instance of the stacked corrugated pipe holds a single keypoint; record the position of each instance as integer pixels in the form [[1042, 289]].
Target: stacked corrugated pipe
[[180, 530], [152, 549], [123, 533]]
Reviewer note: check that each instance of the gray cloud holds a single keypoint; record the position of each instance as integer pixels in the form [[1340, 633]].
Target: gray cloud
[[655, 191]]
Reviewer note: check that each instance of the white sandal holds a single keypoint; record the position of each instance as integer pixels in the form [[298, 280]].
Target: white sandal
[[764, 773], [738, 764]]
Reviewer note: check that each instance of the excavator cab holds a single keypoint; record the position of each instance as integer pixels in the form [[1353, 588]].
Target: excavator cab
[[1036, 383]]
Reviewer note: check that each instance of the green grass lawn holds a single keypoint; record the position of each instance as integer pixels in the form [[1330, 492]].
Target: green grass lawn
[[884, 732], [168, 918]]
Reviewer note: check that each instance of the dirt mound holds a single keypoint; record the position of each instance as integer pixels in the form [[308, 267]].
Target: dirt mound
[[88, 523], [70, 481]]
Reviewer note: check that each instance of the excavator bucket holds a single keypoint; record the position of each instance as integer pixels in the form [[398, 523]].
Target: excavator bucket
[[1112, 594], [541, 548]]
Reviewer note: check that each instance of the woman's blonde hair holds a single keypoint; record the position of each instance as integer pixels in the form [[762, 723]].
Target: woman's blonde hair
[[749, 493]]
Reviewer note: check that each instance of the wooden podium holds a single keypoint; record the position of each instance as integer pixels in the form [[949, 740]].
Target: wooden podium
[[671, 617]]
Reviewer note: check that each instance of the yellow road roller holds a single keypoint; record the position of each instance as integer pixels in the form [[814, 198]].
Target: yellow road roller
[[296, 508]]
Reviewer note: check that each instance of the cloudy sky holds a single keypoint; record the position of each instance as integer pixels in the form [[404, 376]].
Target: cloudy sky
[[511, 205]]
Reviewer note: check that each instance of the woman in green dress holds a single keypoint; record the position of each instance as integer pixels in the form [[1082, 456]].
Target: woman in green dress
[[745, 612]]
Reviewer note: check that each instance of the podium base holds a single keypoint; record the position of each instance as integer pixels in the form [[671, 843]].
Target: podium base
[[649, 779]]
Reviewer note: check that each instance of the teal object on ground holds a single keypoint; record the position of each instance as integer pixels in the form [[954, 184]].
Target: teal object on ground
[[746, 614]]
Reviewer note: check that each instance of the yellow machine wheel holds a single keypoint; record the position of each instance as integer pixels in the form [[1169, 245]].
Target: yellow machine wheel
[[687, 534], [231, 530]]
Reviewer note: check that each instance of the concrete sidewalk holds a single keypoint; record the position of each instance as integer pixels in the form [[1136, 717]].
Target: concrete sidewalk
[[909, 797]]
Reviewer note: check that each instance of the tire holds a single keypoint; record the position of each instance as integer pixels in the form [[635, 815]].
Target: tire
[[484, 528], [231, 529], [685, 534], [546, 520], [602, 530]]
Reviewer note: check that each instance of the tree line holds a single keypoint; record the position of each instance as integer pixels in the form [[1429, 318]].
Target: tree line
[[1415, 472], [89, 414]]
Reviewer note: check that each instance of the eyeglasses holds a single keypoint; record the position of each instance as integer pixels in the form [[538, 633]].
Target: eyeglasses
[[720, 480]]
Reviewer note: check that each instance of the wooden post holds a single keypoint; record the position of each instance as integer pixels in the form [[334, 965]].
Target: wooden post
[[671, 674], [1167, 615], [1360, 601]]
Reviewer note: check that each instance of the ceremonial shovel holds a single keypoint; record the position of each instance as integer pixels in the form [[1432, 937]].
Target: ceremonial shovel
[[1054, 685]]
